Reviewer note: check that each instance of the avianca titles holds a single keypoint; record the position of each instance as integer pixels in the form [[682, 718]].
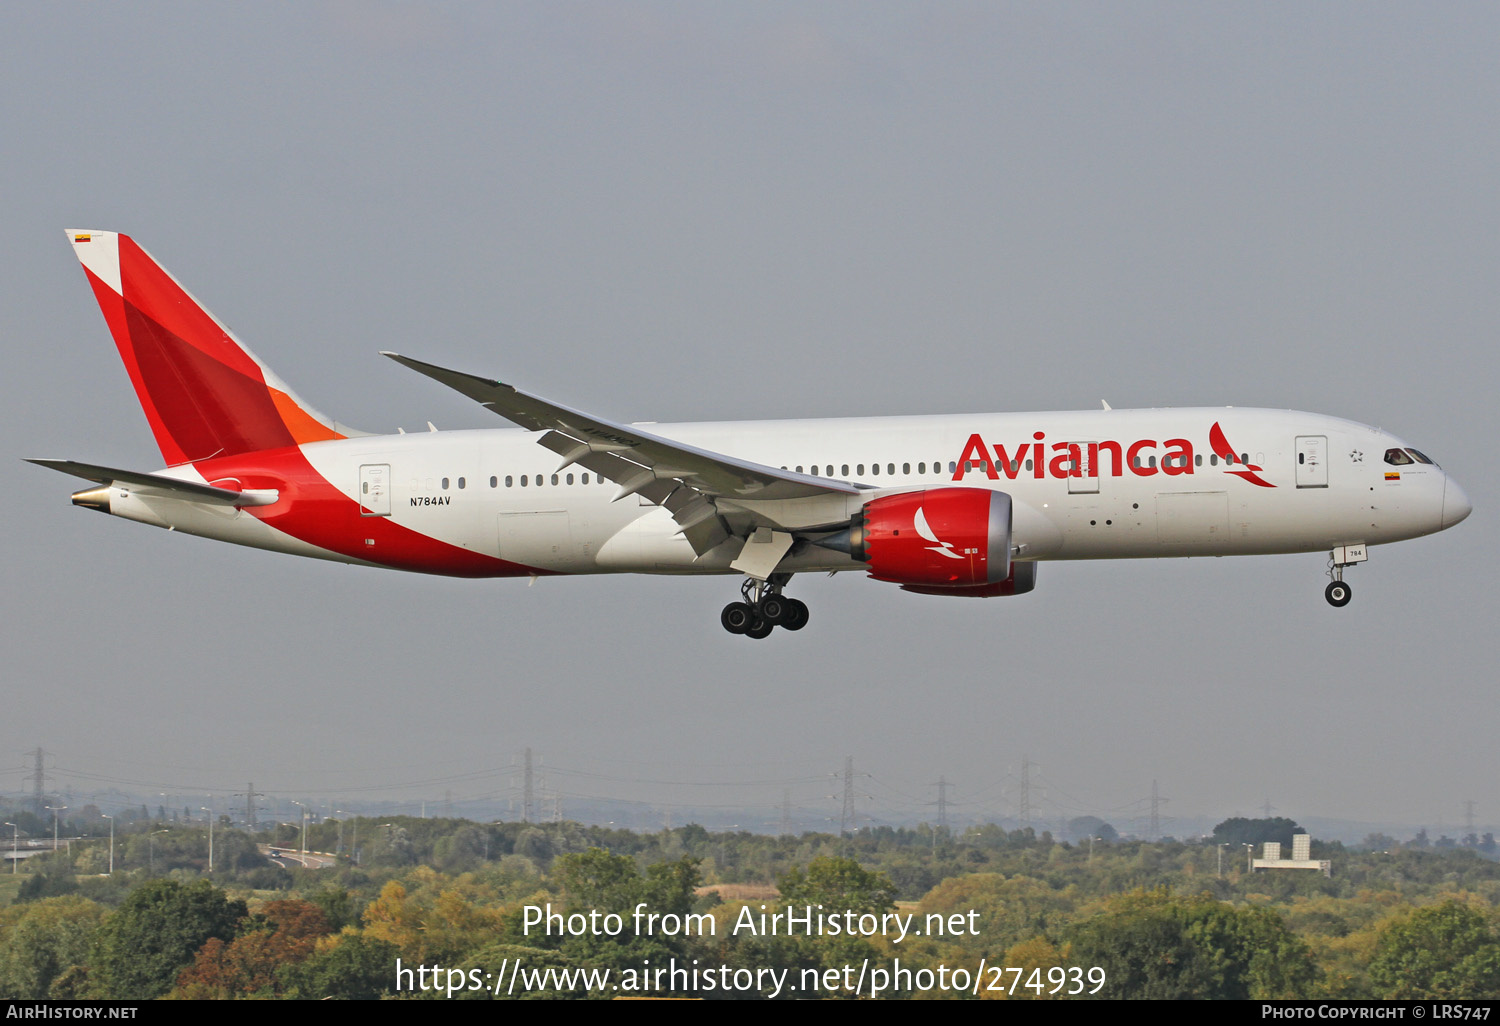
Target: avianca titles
[[943, 505]]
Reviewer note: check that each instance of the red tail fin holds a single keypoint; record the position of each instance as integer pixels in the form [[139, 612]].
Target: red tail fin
[[204, 393]]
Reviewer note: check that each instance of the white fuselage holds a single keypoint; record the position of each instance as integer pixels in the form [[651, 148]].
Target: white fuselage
[[1147, 483]]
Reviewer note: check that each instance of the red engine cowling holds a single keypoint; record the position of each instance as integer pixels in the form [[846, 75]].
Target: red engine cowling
[[1021, 580], [935, 538]]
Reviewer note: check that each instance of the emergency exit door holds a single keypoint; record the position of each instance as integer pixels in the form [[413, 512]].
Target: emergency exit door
[[375, 490]]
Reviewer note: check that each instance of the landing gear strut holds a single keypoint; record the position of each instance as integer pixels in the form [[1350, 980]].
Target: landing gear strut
[[764, 609], [1339, 593]]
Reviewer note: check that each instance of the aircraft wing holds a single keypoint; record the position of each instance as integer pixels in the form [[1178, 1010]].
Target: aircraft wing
[[689, 482]]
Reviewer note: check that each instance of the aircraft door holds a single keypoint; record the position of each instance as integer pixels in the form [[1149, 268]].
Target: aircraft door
[[1087, 483], [1312, 461], [375, 490]]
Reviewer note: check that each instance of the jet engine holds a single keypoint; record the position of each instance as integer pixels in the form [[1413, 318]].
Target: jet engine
[[936, 540]]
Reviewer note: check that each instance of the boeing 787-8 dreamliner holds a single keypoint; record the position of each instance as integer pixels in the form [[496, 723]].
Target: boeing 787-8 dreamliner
[[950, 505]]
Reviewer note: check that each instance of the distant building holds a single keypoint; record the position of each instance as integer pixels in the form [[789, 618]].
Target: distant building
[[1301, 856]]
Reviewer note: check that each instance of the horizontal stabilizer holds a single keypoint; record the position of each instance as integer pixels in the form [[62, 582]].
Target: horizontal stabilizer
[[156, 484]]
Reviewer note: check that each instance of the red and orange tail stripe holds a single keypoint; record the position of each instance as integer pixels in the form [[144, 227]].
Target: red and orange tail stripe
[[204, 393]]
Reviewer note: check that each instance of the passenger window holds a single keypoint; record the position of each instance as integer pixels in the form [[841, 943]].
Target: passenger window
[[1198, 459], [906, 468], [1028, 464], [570, 479], [508, 481], [445, 484], [461, 482], [890, 468], [523, 480], [845, 470], [494, 482], [554, 479], [921, 468], [860, 470], [874, 469], [584, 479]]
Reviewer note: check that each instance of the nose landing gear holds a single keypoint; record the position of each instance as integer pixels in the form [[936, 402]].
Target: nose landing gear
[[764, 609], [1339, 593]]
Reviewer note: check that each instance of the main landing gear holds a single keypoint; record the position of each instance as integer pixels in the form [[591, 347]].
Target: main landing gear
[[764, 609]]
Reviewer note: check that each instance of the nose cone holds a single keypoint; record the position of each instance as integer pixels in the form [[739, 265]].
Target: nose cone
[[1455, 503]]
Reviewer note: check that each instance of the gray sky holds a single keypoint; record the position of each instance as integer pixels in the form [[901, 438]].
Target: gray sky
[[693, 211]]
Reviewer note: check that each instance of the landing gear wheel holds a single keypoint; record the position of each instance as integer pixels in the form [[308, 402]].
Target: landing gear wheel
[[774, 609], [1338, 594], [762, 628], [796, 615], [737, 617]]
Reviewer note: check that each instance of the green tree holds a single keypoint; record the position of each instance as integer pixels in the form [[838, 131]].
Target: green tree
[[357, 968], [1443, 951], [1239, 830], [1156, 946], [1010, 910], [53, 880], [42, 941], [157, 931], [597, 881], [838, 883], [1082, 828]]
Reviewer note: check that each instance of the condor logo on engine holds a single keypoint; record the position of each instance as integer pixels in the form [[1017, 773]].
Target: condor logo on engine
[[962, 537], [942, 548]]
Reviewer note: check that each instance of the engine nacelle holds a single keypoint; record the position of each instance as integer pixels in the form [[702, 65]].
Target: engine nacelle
[[1021, 580], [937, 538]]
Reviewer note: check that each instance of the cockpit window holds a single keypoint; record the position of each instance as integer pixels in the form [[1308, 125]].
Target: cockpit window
[[1398, 457], [1419, 457]]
